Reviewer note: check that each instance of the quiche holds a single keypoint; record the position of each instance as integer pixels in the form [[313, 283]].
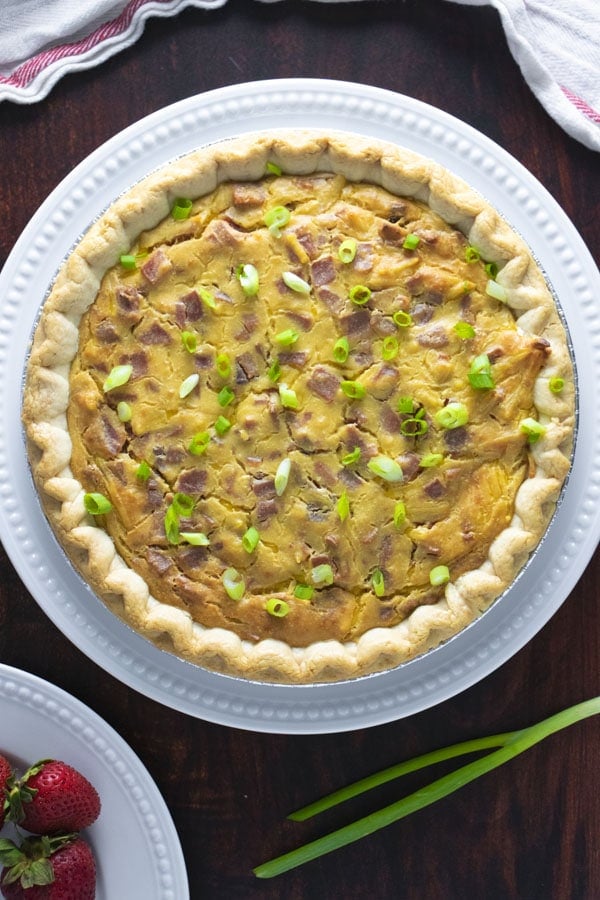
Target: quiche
[[299, 406]]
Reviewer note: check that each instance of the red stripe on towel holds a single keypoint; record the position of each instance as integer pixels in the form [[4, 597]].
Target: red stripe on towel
[[581, 105]]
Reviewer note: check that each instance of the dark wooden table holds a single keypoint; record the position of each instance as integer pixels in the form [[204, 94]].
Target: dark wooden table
[[529, 831]]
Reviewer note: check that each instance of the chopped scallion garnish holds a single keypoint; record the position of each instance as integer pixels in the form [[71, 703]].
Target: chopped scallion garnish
[[341, 349], [295, 283], [143, 471], [405, 405], [276, 218], [556, 384], [128, 261], [351, 457], [225, 396], [429, 460], [495, 290], [411, 241], [195, 538], [288, 397], [248, 277], [360, 294], [492, 269], [439, 575], [171, 524], [282, 476], [453, 415], [223, 364], [274, 371], [117, 377], [183, 503], [250, 539], [533, 429], [385, 468], [399, 514], [234, 583], [287, 337], [188, 384], [389, 347], [199, 443], [413, 427], [343, 506], [207, 297], [402, 319], [222, 425], [480, 373], [378, 583], [472, 254], [277, 608], [189, 341], [347, 251], [96, 504], [353, 389], [304, 591], [273, 169], [464, 330], [181, 208], [124, 411], [322, 574]]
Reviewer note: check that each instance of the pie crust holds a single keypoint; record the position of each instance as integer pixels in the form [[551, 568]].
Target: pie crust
[[341, 632]]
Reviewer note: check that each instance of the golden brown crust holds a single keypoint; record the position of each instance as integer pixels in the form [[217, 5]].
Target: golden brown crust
[[55, 346]]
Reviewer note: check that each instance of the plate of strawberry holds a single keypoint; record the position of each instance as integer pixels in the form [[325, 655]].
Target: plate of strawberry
[[80, 816]]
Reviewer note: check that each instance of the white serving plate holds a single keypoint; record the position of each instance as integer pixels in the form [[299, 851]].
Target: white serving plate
[[134, 841], [509, 623]]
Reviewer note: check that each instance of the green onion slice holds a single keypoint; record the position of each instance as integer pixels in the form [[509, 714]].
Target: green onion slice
[[464, 330], [274, 371], [480, 373], [288, 397], [171, 523], [207, 297], [287, 338], [199, 443], [282, 476], [353, 389], [128, 261], [117, 377], [189, 341], [472, 254], [413, 427], [341, 349], [277, 608], [402, 319], [351, 457], [347, 251], [386, 468], [439, 575], [411, 242], [234, 583], [378, 583], [248, 277], [225, 396], [188, 384], [273, 169], [183, 503], [143, 471], [124, 411], [96, 504], [343, 506], [276, 218], [304, 591], [182, 208], [195, 538], [495, 290], [222, 425], [322, 574], [389, 347], [360, 294], [223, 364], [492, 269], [556, 384], [453, 415], [399, 514], [406, 405], [533, 429], [250, 539], [295, 283], [430, 460]]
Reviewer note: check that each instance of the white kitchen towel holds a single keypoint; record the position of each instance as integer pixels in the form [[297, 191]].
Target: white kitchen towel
[[556, 43]]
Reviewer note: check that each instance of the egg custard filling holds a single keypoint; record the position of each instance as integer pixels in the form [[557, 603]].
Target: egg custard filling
[[312, 431]]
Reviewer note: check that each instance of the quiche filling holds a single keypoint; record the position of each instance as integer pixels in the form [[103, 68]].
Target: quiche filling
[[300, 406]]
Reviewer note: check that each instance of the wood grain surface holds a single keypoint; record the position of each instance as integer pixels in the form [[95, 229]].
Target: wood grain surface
[[529, 830]]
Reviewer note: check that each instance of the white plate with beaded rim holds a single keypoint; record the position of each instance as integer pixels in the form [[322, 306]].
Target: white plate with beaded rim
[[134, 841], [557, 563]]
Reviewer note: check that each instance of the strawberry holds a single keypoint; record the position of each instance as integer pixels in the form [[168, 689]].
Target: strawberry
[[53, 797], [5, 774], [48, 868]]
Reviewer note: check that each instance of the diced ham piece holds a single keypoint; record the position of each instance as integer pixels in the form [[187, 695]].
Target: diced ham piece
[[245, 195], [322, 271], [154, 335], [323, 383], [156, 266]]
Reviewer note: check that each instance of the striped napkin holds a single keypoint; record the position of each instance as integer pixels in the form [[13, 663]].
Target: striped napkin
[[556, 43]]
